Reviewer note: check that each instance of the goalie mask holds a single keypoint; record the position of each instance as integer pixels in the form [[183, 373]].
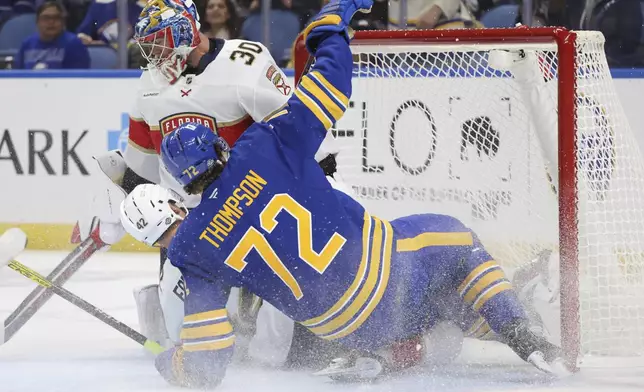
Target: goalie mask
[[149, 211], [167, 32]]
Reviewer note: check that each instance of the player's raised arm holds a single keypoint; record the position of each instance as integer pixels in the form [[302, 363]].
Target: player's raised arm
[[323, 94]]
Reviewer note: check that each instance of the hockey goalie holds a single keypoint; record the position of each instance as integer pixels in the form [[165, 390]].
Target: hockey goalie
[[225, 85]]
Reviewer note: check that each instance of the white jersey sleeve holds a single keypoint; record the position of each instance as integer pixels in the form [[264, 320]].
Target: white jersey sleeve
[[141, 155], [267, 89]]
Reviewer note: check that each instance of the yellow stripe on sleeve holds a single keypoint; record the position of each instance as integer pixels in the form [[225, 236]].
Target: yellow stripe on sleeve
[[337, 94], [210, 345], [434, 239], [490, 293], [314, 108], [356, 282], [203, 316], [317, 92], [325, 20], [207, 330]]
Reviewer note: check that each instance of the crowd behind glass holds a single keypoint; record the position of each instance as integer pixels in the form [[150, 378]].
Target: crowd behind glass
[[80, 34]]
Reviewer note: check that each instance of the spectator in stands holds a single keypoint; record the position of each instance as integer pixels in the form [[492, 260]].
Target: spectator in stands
[[219, 20], [284, 28], [52, 46], [100, 25], [432, 14]]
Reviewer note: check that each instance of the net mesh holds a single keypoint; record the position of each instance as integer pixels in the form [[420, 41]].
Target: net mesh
[[471, 131]]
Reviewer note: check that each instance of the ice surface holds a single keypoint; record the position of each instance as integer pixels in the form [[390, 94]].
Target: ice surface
[[64, 349]]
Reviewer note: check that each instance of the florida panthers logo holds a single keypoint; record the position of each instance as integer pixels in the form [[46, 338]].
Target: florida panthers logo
[[170, 123]]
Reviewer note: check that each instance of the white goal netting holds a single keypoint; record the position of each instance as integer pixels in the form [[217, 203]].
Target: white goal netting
[[470, 130]]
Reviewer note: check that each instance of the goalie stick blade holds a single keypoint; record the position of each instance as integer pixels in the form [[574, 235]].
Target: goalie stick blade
[[12, 242]]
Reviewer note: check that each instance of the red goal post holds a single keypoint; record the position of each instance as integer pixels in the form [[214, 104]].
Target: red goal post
[[561, 49]]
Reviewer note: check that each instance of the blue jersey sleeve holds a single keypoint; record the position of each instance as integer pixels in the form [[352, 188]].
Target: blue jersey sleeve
[[320, 99], [207, 337]]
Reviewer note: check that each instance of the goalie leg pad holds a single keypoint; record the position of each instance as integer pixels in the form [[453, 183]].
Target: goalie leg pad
[[151, 321]]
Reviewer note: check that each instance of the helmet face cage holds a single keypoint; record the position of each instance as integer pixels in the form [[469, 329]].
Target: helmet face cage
[[166, 33]]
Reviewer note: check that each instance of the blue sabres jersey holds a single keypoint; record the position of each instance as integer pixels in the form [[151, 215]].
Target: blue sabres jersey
[[273, 224]]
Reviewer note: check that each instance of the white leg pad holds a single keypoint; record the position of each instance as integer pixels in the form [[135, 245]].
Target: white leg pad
[[151, 322]]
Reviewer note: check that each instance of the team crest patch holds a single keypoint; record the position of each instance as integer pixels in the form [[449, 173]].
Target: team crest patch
[[280, 83], [172, 122], [270, 72]]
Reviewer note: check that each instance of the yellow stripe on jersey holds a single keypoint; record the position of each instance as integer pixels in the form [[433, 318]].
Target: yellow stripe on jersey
[[205, 316], [314, 108], [334, 92], [205, 331], [210, 345], [380, 289], [476, 272], [280, 113], [482, 284], [325, 20], [490, 293], [351, 291], [372, 275], [434, 239], [328, 103], [478, 329]]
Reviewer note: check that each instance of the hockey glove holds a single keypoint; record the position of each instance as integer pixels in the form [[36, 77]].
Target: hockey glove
[[334, 18]]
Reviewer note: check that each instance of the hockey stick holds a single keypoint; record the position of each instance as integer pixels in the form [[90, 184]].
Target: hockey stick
[[61, 274], [15, 241]]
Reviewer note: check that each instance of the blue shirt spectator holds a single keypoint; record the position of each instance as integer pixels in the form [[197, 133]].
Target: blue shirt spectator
[[100, 25], [52, 47]]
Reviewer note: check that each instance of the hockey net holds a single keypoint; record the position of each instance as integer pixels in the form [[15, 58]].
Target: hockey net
[[518, 133]]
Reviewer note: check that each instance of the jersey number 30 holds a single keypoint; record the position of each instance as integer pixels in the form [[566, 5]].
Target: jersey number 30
[[254, 239]]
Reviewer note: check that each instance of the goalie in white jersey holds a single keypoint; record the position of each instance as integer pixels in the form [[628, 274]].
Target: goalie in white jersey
[[225, 85]]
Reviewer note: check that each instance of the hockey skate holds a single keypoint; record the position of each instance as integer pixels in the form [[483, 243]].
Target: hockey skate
[[355, 367], [535, 349]]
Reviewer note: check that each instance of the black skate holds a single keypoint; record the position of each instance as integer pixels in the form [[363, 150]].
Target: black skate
[[535, 349]]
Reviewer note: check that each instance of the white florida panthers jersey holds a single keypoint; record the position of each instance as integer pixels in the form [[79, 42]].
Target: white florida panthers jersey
[[235, 84]]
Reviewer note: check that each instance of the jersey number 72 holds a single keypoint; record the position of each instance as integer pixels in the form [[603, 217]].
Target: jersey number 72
[[254, 239]]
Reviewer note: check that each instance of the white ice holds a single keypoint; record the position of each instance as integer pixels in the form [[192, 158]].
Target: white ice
[[63, 349]]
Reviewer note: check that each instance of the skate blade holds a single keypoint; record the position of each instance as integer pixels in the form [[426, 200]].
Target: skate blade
[[363, 369], [556, 368]]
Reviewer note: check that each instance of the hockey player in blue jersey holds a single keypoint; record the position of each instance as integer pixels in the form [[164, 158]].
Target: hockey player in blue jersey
[[270, 222]]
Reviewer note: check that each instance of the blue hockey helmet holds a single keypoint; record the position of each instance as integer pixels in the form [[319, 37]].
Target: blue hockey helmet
[[167, 31], [191, 151]]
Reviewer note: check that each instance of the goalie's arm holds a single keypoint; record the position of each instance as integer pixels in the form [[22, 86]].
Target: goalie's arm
[[141, 156]]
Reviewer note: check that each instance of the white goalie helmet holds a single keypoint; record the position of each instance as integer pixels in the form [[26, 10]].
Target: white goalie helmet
[[146, 213]]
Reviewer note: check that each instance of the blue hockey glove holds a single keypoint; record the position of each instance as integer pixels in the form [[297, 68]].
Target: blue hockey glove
[[334, 18]]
